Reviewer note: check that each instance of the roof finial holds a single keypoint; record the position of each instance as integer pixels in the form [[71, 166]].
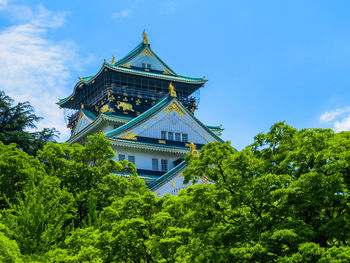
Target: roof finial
[[172, 90], [145, 40], [113, 60], [193, 149]]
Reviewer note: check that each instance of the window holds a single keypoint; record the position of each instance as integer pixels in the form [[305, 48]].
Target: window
[[155, 164], [149, 66], [164, 165], [143, 65], [170, 136], [121, 157], [131, 159], [163, 135], [184, 137], [177, 137]]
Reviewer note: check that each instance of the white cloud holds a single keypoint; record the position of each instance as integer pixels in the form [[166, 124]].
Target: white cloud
[[122, 14], [342, 125], [36, 69], [339, 117], [329, 116]]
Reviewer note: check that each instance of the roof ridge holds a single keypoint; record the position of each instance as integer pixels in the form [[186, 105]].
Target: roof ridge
[[131, 54], [202, 124], [89, 114], [168, 175], [155, 73]]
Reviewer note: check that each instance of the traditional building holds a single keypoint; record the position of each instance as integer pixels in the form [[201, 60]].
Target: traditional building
[[147, 111]]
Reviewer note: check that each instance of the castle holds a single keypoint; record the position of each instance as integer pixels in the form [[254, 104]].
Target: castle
[[147, 112]]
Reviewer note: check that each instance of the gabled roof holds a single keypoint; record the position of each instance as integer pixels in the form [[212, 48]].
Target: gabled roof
[[121, 66], [161, 104], [96, 121], [168, 176], [138, 50]]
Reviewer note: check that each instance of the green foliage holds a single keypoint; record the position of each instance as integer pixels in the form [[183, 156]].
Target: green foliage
[[18, 171], [287, 189], [285, 198], [9, 251], [15, 120], [40, 218]]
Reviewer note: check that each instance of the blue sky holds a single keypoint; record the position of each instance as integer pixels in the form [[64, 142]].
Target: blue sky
[[266, 61]]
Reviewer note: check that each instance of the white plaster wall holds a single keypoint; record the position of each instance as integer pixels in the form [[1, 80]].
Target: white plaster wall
[[143, 159], [108, 127], [82, 123], [173, 123]]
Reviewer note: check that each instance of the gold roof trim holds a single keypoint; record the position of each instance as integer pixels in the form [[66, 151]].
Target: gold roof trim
[[145, 39]]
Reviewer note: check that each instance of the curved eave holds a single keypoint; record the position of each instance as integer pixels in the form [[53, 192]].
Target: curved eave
[[168, 176], [177, 78], [182, 79], [149, 146], [101, 117]]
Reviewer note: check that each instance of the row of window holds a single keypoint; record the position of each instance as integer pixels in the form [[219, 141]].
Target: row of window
[[174, 136], [122, 157], [155, 162], [163, 165]]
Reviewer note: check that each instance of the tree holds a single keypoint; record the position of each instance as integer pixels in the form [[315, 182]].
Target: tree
[[289, 188], [81, 169], [18, 171], [16, 119]]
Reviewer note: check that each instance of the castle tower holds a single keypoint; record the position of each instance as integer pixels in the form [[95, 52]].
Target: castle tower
[[146, 110]]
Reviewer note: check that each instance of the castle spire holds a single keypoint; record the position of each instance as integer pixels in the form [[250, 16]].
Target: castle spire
[[145, 39]]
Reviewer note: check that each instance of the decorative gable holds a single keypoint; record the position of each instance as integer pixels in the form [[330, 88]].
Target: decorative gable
[[148, 60], [83, 121], [171, 118]]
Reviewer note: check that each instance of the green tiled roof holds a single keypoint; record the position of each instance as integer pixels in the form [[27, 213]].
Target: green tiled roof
[[215, 127], [87, 78], [153, 110], [89, 114], [140, 72], [168, 176], [140, 175], [154, 74], [118, 116], [131, 54], [153, 144], [118, 66]]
